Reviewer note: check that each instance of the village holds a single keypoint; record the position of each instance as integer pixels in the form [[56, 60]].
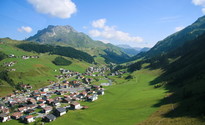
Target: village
[[56, 99]]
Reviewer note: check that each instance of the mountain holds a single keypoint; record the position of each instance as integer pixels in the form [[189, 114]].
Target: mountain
[[178, 39], [68, 36], [65, 35], [181, 58], [132, 51]]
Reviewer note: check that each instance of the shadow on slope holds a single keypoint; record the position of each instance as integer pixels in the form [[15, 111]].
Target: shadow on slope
[[185, 80]]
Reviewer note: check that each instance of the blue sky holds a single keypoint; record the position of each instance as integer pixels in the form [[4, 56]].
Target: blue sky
[[138, 23]]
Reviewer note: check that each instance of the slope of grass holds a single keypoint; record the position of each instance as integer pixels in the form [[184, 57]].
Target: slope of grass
[[123, 104], [37, 72]]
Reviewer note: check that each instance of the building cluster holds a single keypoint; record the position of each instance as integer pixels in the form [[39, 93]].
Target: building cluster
[[47, 103]]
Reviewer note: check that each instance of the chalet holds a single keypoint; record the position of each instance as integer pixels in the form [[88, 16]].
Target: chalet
[[43, 93], [22, 109], [37, 98], [41, 101], [29, 119], [56, 103], [83, 94], [29, 111], [75, 105], [66, 100], [11, 56], [4, 117], [16, 115], [32, 106], [2, 106], [42, 105], [5, 110], [100, 92], [45, 89], [92, 97], [31, 101], [47, 109], [25, 57], [49, 101], [49, 118], [59, 112], [95, 87]]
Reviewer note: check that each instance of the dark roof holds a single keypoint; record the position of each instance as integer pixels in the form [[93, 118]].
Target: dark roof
[[61, 109], [50, 116], [56, 101]]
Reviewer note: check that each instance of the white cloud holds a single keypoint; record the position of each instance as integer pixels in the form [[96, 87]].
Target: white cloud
[[99, 23], [200, 3], [26, 29], [56, 8], [111, 33], [179, 28]]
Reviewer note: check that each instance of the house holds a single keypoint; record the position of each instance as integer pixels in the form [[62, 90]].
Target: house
[[40, 101], [66, 100], [75, 105], [11, 56], [47, 109], [83, 94], [60, 112], [42, 105], [100, 92], [45, 89], [43, 93], [95, 87], [22, 109], [5, 110], [32, 106], [29, 119], [16, 115], [56, 103], [2, 106], [4, 117], [93, 97], [49, 101], [31, 101], [49, 118], [29, 111]]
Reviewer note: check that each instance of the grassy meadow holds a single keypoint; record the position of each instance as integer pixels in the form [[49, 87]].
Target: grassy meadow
[[37, 72]]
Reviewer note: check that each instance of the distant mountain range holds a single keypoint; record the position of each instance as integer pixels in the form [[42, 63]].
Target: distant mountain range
[[132, 51], [68, 36]]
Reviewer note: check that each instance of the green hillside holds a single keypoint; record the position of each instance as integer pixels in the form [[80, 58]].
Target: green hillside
[[35, 71], [183, 77], [176, 40]]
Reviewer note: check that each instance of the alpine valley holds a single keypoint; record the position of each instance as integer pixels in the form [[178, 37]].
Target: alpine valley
[[62, 76]]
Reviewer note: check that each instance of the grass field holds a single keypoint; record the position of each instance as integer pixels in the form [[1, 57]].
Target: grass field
[[37, 72], [123, 104]]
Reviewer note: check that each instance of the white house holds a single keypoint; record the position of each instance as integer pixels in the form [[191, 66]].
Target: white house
[[4, 117], [60, 111], [93, 97], [75, 105], [100, 92], [29, 119]]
